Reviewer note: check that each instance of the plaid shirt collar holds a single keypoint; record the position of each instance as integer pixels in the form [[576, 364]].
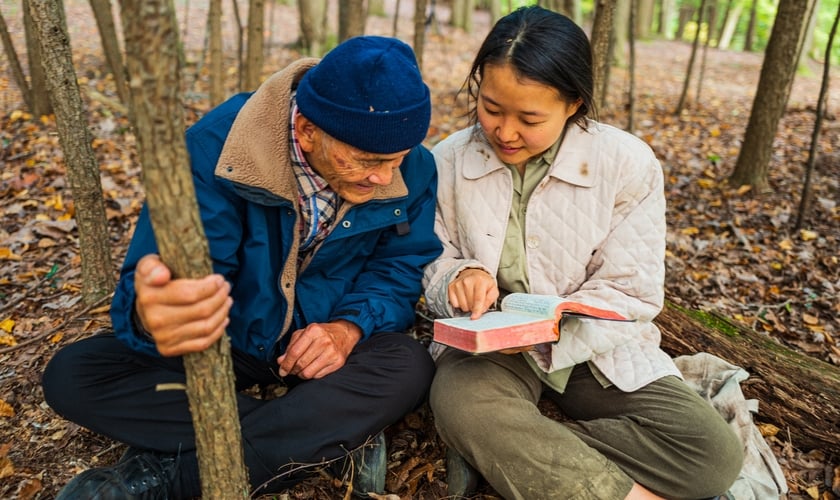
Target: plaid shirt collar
[[317, 200]]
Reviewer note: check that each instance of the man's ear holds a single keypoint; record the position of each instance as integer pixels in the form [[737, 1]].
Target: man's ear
[[306, 133]]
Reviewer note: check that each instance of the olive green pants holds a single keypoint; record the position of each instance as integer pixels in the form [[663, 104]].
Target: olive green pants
[[663, 436]]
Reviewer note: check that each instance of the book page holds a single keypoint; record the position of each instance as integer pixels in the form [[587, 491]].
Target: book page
[[492, 320], [544, 306]]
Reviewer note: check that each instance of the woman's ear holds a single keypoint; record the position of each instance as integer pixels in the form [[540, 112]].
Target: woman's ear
[[306, 133], [574, 106]]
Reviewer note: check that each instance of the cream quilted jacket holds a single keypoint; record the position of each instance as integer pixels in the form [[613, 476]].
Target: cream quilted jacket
[[594, 232]]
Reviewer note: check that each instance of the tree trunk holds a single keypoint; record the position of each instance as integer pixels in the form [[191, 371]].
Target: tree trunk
[[240, 31], [37, 79], [461, 14], [573, 10], [618, 44], [685, 14], [748, 38], [798, 394], [313, 26], [351, 19], [601, 28], [254, 51], [805, 197], [777, 72], [111, 45], [729, 26], [722, 23], [76, 139], [217, 75], [710, 23], [666, 17], [395, 29], [456, 14], [644, 19], [690, 69], [14, 62], [495, 7], [419, 31], [808, 49], [152, 60], [813, 7]]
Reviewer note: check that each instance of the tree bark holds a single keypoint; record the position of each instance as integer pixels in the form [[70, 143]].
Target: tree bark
[[37, 79], [217, 75], [573, 10], [240, 32], [75, 137], [750, 35], [771, 97], [461, 15], [710, 23], [110, 45], [798, 394], [351, 19], [14, 62], [419, 31], [151, 53], [601, 28], [313, 26], [618, 42], [644, 19], [254, 50]]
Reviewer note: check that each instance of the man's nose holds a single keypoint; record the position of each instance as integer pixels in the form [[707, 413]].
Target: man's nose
[[382, 175]]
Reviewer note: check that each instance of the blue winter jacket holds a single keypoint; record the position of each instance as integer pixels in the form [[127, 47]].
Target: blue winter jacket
[[367, 271]]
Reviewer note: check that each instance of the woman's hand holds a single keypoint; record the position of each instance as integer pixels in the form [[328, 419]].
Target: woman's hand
[[473, 291]]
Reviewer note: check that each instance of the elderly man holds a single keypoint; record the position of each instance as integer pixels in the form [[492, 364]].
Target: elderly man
[[318, 203]]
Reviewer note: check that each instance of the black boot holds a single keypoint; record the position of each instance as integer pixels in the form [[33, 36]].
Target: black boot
[[461, 477], [369, 464], [140, 475]]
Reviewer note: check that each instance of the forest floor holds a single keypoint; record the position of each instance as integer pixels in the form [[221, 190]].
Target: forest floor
[[730, 251]]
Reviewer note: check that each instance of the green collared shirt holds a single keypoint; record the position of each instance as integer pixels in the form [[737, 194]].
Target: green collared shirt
[[512, 275]]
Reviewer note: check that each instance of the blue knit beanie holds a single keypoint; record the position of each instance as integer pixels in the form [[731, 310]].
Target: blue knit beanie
[[368, 92]]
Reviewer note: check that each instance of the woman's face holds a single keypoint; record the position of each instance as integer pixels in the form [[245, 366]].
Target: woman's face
[[521, 118]]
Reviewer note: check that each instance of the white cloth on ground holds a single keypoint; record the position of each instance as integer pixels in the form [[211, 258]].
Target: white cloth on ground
[[718, 381]]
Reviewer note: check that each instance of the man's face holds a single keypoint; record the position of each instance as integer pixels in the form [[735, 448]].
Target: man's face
[[350, 172]]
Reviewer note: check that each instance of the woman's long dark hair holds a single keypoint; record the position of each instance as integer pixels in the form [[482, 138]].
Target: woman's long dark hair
[[543, 46]]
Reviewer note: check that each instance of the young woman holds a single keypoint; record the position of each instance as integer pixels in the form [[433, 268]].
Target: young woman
[[536, 197]]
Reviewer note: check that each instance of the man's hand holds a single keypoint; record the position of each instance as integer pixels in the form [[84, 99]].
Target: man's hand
[[181, 315], [319, 349], [473, 291]]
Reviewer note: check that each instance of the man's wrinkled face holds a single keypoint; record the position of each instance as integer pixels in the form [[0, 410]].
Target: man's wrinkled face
[[350, 172]]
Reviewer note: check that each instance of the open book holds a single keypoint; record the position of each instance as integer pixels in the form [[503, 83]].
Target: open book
[[524, 319]]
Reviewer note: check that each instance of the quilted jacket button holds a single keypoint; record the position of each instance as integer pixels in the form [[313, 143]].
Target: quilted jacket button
[[533, 242], [345, 224]]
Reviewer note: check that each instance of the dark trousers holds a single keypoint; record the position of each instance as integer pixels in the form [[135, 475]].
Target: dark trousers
[[103, 385]]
